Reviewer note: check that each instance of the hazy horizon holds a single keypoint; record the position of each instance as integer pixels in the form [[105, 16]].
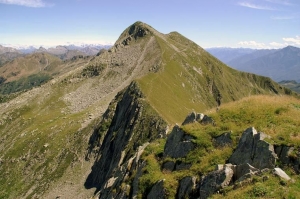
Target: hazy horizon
[[216, 23]]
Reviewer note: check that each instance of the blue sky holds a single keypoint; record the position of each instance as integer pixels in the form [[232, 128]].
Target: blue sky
[[209, 23]]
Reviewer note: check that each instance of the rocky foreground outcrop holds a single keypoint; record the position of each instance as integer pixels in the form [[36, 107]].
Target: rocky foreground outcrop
[[254, 150], [254, 156], [130, 124]]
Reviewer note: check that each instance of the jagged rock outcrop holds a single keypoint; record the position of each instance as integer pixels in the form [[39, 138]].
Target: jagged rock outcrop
[[157, 191], [198, 117], [193, 117], [133, 124], [289, 155], [186, 187], [178, 144], [254, 150], [214, 181]]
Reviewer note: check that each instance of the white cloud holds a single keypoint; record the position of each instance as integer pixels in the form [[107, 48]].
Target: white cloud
[[293, 41], [278, 45], [254, 6], [282, 17], [27, 3], [252, 44], [282, 2]]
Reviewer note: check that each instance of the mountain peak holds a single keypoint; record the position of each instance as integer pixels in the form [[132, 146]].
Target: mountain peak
[[293, 48], [135, 31]]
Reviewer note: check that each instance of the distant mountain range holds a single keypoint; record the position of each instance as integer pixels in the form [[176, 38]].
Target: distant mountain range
[[279, 64], [63, 52], [293, 85]]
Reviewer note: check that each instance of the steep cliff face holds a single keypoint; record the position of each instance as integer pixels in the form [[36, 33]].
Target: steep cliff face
[[133, 124]]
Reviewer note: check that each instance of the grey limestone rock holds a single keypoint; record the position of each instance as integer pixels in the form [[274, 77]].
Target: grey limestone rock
[[178, 144], [254, 150], [214, 181]]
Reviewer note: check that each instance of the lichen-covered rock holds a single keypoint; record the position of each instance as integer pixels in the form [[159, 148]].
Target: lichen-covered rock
[[254, 150], [186, 187], [223, 140], [157, 191], [178, 144], [214, 181]]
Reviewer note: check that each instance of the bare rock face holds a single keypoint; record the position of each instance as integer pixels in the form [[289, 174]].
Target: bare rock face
[[214, 181], [133, 124], [157, 191], [178, 144], [187, 186], [254, 150]]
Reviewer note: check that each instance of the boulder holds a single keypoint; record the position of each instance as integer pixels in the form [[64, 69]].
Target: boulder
[[244, 171], [168, 166], [243, 152], [283, 152], [254, 150], [182, 166], [178, 144], [193, 117], [223, 140], [157, 191], [279, 172], [214, 181], [186, 187], [207, 120]]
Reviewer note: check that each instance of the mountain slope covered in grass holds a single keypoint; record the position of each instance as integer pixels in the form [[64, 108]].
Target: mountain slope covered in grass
[[98, 128]]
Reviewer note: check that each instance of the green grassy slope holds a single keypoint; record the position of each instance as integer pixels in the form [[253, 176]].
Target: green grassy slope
[[277, 116], [192, 79]]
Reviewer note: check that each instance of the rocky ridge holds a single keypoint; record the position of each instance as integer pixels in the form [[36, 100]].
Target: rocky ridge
[[126, 129]]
